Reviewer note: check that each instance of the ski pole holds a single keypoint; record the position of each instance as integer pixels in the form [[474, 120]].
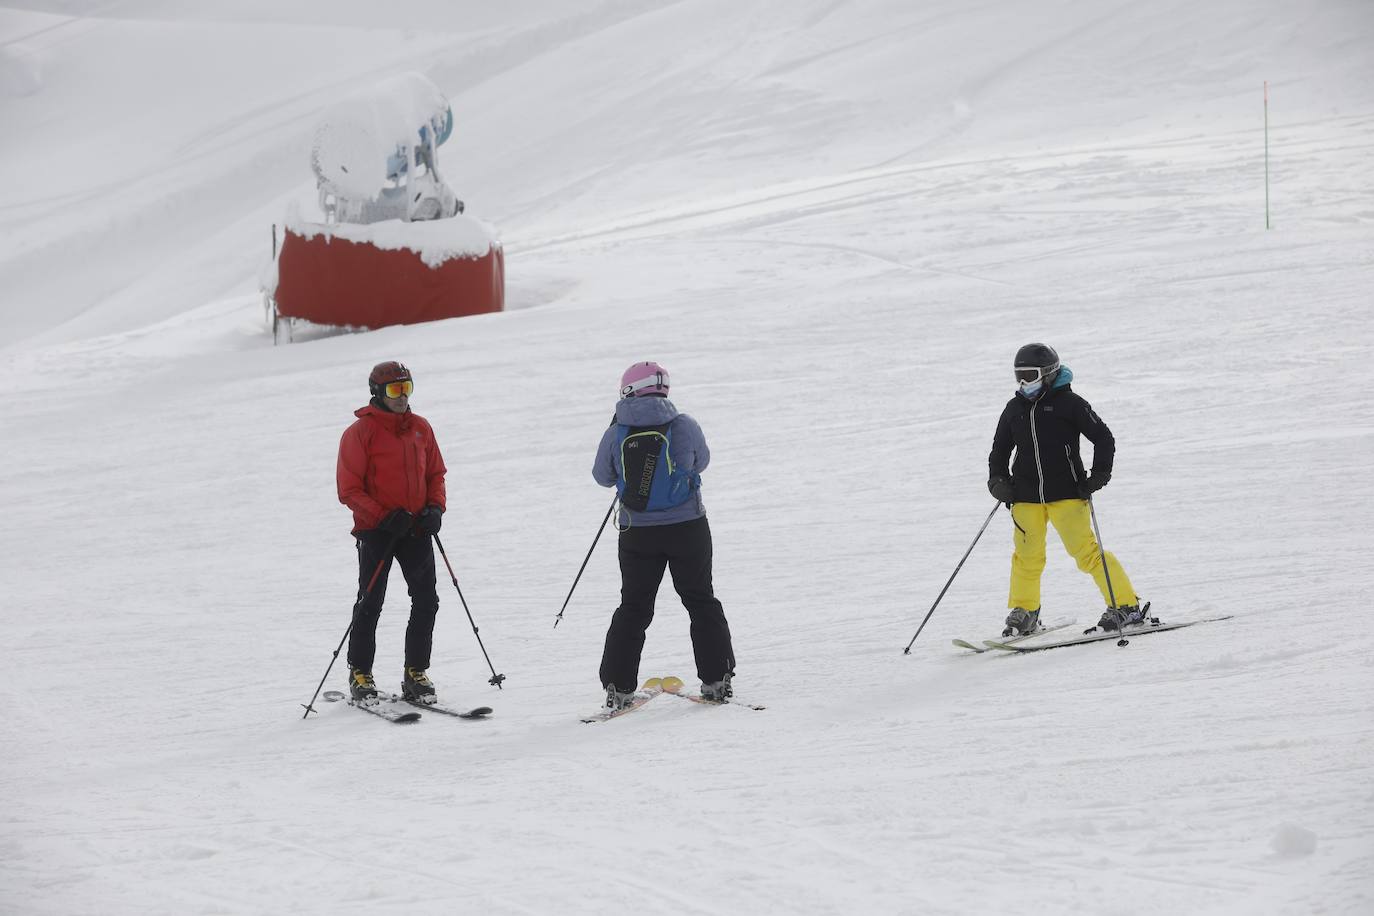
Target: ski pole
[[907, 650], [578, 578], [362, 596], [495, 678], [1106, 573], [1102, 551]]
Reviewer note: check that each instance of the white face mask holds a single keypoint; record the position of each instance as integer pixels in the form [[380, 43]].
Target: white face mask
[[1030, 387]]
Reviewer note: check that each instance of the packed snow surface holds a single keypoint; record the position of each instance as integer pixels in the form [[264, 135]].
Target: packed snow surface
[[834, 222]]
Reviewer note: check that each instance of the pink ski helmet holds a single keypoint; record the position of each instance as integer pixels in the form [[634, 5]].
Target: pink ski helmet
[[644, 380]]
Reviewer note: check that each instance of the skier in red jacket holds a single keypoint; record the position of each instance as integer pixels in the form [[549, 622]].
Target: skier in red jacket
[[390, 473]]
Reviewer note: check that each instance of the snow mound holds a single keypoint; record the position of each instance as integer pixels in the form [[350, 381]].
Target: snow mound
[[1291, 841], [435, 241], [21, 71]]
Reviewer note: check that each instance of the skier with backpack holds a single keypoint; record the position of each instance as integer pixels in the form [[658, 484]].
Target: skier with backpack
[[653, 455], [1047, 484], [391, 474]]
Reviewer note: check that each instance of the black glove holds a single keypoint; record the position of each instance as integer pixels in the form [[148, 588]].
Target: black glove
[[431, 518], [397, 523], [1001, 489], [1091, 484]]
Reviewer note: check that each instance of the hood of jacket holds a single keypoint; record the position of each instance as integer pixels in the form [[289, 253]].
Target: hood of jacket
[[647, 411]]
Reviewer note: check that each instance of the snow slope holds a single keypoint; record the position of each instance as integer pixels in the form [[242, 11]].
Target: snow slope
[[834, 222]]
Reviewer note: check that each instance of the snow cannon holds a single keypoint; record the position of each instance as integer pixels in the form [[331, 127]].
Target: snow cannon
[[387, 241], [376, 154]]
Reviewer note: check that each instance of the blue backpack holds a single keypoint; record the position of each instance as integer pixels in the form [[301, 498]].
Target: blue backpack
[[648, 479]]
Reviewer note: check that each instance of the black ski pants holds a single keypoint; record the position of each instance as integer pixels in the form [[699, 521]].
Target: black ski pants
[[684, 549], [415, 555]]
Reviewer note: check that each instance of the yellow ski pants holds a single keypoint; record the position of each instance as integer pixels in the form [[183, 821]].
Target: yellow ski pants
[[1072, 519]]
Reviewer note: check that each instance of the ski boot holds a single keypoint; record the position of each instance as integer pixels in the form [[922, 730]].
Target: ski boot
[[718, 691], [1021, 622], [617, 698], [361, 686], [416, 685], [1125, 615]]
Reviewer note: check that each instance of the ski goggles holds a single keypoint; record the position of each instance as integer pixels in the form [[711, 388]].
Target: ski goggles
[[658, 381], [399, 389], [1030, 378]]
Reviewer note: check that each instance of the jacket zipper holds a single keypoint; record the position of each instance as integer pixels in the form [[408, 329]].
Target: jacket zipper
[[415, 471], [1035, 447], [1069, 458], [409, 459]]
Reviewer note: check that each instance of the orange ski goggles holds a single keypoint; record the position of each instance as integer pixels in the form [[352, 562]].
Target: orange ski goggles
[[399, 389]]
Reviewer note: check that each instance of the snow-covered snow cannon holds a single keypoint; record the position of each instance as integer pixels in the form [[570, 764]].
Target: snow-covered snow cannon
[[390, 243]]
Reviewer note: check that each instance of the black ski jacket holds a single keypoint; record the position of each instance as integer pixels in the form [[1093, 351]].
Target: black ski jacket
[[1045, 435]]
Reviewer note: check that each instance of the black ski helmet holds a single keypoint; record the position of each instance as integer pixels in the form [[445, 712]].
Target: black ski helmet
[[1036, 360], [383, 373]]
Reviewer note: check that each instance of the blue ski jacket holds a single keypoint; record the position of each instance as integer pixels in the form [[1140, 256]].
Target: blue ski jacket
[[689, 451]]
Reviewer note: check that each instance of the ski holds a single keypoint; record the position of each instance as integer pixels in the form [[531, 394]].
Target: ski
[[673, 687], [477, 712], [652, 688], [705, 702], [380, 710], [1100, 635], [965, 644]]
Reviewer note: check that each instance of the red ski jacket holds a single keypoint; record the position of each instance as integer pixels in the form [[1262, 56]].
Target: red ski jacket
[[389, 461]]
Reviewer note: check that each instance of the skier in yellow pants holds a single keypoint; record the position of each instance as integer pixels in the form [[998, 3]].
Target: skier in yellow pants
[[1071, 519], [1047, 484]]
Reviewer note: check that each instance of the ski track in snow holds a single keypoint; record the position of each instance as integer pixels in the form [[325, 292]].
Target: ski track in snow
[[840, 324]]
